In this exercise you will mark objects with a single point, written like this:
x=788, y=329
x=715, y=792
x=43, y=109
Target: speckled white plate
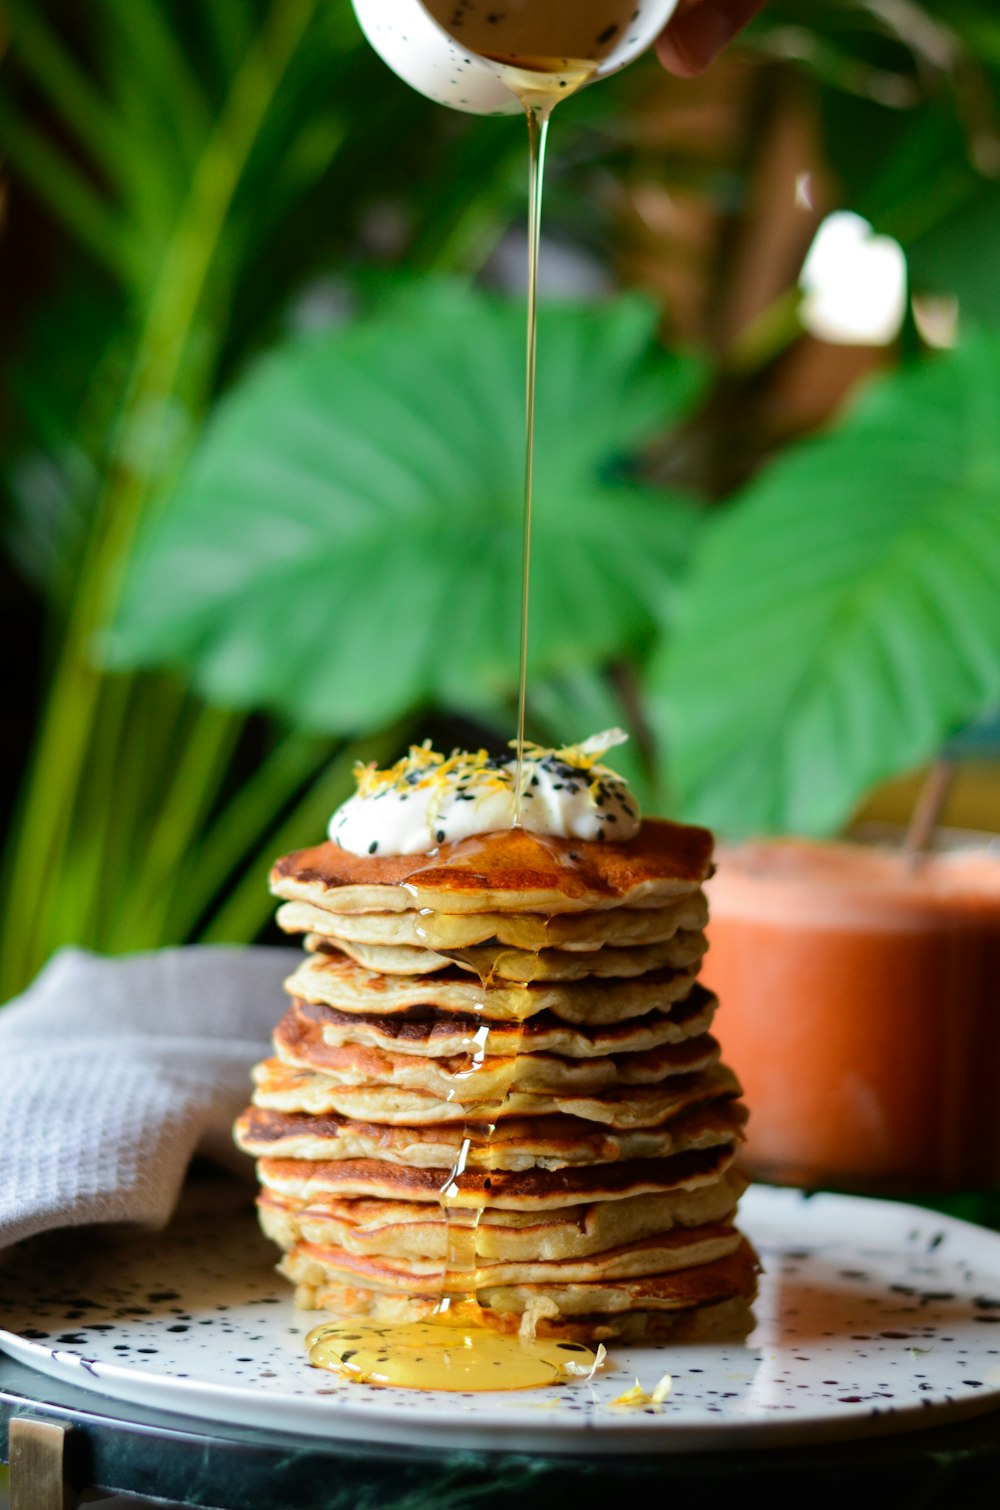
x=872, y=1317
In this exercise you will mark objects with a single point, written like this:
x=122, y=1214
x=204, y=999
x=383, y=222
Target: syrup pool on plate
x=447, y=1352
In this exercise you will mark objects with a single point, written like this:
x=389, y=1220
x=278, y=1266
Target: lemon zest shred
x=581, y=1371
x=424, y=768
x=636, y=1398
x=582, y=757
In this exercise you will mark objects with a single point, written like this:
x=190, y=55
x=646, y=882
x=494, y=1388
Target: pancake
x=478, y=1069
x=399, y=1228
x=503, y=1190
x=621, y=926
x=515, y=1143
x=496, y=962
x=427, y=1032
x=663, y=1253
x=727, y=1319
x=509, y=871
x=342, y=983
x=286, y=1088
x=595, y=1307
x=481, y=1076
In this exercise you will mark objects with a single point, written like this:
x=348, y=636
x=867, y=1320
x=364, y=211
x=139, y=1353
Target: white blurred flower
x=853, y=283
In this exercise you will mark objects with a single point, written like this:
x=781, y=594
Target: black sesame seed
x=373, y=846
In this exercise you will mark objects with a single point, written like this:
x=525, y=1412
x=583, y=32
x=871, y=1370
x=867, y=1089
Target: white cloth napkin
x=113, y=1072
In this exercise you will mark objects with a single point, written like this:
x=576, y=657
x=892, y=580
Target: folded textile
x=114, y=1072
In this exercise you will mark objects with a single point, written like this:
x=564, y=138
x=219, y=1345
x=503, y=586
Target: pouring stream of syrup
x=451, y=1349
x=538, y=130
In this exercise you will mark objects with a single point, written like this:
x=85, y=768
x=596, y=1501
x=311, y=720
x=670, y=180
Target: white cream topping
x=427, y=799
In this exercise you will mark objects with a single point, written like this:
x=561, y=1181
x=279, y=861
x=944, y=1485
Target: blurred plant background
x=261, y=440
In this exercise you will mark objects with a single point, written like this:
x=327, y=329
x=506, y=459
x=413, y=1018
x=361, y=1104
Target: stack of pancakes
x=496, y=1080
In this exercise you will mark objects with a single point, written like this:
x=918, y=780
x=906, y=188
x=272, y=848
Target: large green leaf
x=347, y=542
x=843, y=617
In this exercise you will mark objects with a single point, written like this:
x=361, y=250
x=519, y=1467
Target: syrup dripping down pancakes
x=496, y=1081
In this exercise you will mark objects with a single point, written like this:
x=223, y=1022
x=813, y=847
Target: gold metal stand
x=37, y=1466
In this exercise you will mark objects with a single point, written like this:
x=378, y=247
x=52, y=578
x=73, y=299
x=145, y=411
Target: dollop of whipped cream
x=427, y=799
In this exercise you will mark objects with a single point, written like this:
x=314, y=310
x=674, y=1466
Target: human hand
x=699, y=30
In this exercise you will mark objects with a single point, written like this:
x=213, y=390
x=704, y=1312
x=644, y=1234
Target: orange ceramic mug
x=860, y=1006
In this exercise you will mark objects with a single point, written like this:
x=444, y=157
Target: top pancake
x=508, y=871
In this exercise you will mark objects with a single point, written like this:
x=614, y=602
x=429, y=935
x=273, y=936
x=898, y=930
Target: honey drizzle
x=538, y=92
x=453, y=1350
x=543, y=54
x=538, y=115
x=476, y=1152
